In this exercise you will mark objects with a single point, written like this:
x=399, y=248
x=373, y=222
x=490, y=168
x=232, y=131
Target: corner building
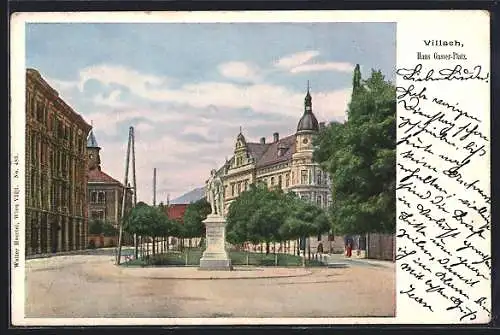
x=285, y=163
x=56, y=179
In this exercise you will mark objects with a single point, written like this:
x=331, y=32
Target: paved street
x=90, y=285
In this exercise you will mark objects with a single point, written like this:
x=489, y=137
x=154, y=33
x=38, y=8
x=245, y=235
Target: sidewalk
x=341, y=258
x=97, y=251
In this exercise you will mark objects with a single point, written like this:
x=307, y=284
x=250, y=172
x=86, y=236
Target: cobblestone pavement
x=90, y=285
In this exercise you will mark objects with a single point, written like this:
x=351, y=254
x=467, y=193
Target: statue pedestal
x=215, y=256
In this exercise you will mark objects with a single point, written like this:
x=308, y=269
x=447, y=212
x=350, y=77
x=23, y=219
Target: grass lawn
x=191, y=257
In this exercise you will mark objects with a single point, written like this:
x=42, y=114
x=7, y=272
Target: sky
x=188, y=88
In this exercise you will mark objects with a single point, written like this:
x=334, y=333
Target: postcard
x=291, y=167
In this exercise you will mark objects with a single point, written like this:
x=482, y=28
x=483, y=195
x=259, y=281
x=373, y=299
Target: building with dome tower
x=105, y=193
x=285, y=163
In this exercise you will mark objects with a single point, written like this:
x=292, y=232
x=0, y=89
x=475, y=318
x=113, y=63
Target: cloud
x=144, y=127
x=261, y=97
x=300, y=62
x=239, y=70
x=112, y=100
x=332, y=66
x=185, y=131
x=296, y=59
x=120, y=75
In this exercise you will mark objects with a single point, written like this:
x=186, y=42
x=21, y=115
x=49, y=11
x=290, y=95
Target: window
x=97, y=215
x=319, y=237
x=93, y=197
x=246, y=185
x=287, y=180
x=232, y=189
x=303, y=177
x=239, y=187
x=101, y=197
x=319, y=178
x=272, y=181
x=319, y=200
x=280, y=181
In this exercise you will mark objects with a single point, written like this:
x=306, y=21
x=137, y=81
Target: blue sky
x=187, y=88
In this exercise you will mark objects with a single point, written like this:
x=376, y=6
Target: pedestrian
x=349, y=249
x=319, y=249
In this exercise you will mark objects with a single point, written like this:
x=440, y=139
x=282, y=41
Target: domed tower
x=303, y=169
x=93, y=149
x=307, y=127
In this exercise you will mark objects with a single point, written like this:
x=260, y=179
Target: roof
x=176, y=211
x=91, y=141
x=271, y=155
x=97, y=176
x=257, y=150
x=308, y=122
x=59, y=103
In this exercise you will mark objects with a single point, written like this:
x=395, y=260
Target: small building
x=176, y=212
x=105, y=194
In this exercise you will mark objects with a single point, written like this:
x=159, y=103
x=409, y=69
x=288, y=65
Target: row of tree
x=152, y=224
x=258, y=215
x=263, y=215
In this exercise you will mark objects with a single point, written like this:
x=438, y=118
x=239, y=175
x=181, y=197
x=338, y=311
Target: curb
x=226, y=278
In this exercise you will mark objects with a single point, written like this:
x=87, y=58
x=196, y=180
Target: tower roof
x=91, y=141
x=308, y=121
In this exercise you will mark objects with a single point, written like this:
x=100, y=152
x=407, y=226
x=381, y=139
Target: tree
x=256, y=216
x=146, y=220
x=360, y=156
x=303, y=220
x=193, y=219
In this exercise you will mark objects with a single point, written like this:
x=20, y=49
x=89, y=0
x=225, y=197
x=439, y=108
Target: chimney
x=276, y=137
x=321, y=125
x=262, y=140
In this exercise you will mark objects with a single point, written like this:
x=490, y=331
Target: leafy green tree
x=304, y=219
x=360, y=156
x=193, y=219
x=148, y=221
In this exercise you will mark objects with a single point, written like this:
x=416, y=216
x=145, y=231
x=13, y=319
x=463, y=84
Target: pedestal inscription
x=215, y=256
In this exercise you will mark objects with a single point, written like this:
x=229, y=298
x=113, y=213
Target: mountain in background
x=189, y=197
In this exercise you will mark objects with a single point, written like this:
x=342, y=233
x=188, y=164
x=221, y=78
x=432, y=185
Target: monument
x=215, y=256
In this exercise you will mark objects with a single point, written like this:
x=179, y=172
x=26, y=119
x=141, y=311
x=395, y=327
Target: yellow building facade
x=285, y=163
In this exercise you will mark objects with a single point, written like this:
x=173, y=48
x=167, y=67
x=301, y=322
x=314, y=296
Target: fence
x=381, y=246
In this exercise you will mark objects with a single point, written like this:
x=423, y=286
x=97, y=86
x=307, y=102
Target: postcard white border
x=407, y=21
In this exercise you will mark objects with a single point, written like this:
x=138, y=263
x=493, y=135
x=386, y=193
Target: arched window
x=93, y=197
x=272, y=181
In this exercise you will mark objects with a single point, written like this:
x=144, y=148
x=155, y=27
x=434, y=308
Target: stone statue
x=215, y=195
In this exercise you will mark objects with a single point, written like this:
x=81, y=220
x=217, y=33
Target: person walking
x=349, y=249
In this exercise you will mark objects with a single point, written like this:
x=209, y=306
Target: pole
x=125, y=189
x=154, y=187
x=134, y=185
